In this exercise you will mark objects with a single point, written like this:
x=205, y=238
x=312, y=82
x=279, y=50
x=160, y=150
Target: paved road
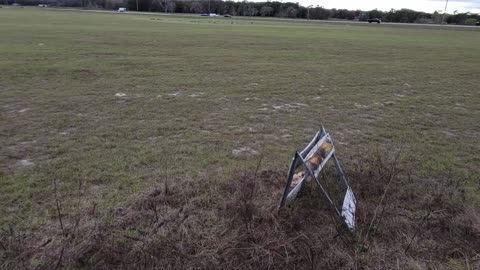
x=446, y=26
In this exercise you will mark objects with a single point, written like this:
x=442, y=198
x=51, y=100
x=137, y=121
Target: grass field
x=204, y=97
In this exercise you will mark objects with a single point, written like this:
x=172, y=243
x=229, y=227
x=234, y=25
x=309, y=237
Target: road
x=445, y=26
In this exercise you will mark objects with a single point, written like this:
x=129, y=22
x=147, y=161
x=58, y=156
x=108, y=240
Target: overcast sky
x=420, y=5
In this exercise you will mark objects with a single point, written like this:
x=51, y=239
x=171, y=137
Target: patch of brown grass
x=404, y=223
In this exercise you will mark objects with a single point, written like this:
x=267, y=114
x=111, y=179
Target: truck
x=372, y=20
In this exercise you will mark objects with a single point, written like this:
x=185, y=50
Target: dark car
x=227, y=16
x=377, y=20
x=477, y=23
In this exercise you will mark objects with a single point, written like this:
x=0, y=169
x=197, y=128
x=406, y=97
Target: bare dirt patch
x=245, y=151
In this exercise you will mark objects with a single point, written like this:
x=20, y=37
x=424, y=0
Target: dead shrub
x=405, y=222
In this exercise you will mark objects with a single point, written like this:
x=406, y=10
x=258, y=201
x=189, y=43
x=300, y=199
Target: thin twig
x=257, y=169
x=59, y=259
x=424, y=219
x=166, y=178
x=392, y=176
x=58, y=204
x=80, y=196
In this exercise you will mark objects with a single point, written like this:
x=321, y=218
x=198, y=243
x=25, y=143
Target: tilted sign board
x=308, y=164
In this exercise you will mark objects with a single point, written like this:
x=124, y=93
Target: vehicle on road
x=377, y=20
x=477, y=23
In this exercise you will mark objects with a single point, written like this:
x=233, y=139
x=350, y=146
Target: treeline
x=265, y=9
x=412, y=16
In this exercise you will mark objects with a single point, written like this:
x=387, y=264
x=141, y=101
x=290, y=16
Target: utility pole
x=308, y=12
x=137, y=5
x=444, y=11
x=209, y=7
x=166, y=6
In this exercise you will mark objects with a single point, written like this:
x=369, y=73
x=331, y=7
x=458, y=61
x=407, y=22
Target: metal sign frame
x=314, y=158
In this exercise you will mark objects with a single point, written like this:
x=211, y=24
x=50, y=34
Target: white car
x=122, y=9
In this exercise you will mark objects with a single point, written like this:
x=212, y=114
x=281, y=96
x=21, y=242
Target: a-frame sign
x=313, y=158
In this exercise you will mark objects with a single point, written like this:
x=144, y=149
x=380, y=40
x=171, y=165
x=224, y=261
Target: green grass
x=369, y=85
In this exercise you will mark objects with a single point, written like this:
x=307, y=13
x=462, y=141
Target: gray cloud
x=385, y=5
x=466, y=4
x=460, y=1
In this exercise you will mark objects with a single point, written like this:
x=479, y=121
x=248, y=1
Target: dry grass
x=93, y=104
x=214, y=225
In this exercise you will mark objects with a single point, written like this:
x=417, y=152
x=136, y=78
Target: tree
x=471, y=21
x=274, y=8
x=266, y=11
x=375, y=14
x=350, y=15
x=196, y=7
x=319, y=13
x=459, y=18
x=291, y=12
